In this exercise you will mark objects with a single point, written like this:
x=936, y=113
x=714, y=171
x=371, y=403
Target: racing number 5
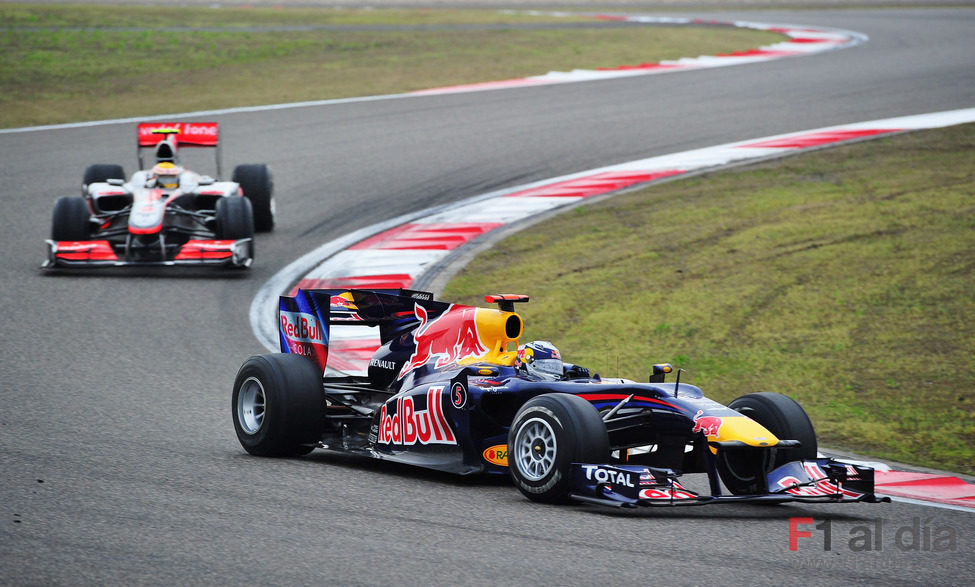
x=458, y=395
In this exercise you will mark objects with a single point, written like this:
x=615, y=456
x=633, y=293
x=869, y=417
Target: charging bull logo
x=709, y=425
x=400, y=422
x=343, y=309
x=445, y=339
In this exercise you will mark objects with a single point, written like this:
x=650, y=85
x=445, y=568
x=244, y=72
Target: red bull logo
x=343, y=301
x=303, y=335
x=709, y=425
x=301, y=327
x=444, y=340
x=407, y=425
x=343, y=308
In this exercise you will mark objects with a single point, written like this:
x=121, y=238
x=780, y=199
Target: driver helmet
x=166, y=175
x=540, y=359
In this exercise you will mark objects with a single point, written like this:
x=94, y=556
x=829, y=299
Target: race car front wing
x=812, y=481
x=100, y=253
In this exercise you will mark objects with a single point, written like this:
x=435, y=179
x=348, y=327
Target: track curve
x=119, y=463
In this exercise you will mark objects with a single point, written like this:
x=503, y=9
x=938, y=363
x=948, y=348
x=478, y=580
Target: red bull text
x=304, y=335
x=408, y=426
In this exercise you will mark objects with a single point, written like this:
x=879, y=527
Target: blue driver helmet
x=541, y=360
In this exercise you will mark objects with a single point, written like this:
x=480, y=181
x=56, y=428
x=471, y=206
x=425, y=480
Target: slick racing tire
x=258, y=187
x=235, y=218
x=71, y=221
x=549, y=433
x=101, y=172
x=744, y=471
x=278, y=405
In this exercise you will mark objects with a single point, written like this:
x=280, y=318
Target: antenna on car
x=677, y=383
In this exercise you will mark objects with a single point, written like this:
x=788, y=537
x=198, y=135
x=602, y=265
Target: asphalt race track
x=118, y=460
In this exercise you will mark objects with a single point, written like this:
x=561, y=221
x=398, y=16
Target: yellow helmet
x=166, y=175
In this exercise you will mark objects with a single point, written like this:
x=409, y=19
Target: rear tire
x=71, y=219
x=101, y=172
x=548, y=434
x=278, y=405
x=258, y=187
x=744, y=471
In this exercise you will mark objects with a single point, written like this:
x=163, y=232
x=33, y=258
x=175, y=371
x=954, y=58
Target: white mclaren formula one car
x=166, y=214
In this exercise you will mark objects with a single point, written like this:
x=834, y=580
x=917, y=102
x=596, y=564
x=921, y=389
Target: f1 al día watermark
x=876, y=535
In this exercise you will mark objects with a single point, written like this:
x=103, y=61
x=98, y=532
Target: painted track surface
x=118, y=462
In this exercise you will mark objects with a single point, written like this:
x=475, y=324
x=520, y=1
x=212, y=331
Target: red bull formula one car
x=166, y=215
x=451, y=389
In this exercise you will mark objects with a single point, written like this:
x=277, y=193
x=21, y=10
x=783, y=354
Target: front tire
x=744, y=471
x=278, y=405
x=235, y=218
x=258, y=187
x=548, y=434
x=101, y=172
x=71, y=219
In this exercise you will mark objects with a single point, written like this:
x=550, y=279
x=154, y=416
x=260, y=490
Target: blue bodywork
x=429, y=399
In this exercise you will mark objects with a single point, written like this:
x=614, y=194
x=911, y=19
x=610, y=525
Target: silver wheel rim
x=535, y=449
x=251, y=405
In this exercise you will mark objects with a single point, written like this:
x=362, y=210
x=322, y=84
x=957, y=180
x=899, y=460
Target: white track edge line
x=263, y=312
x=853, y=39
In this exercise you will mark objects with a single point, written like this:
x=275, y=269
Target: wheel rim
x=251, y=405
x=535, y=449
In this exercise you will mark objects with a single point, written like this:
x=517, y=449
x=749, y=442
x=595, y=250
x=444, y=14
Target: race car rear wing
x=442, y=333
x=175, y=135
x=305, y=319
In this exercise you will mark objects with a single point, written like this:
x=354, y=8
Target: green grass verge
x=843, y=278
x=68, y=63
